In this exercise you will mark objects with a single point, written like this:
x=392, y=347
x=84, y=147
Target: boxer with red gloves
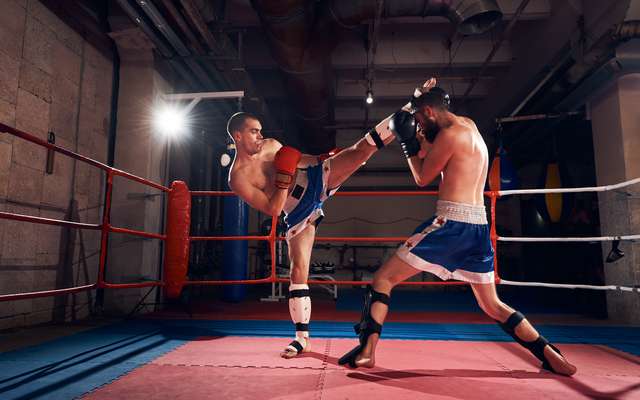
x=286, y=162
x=273, y=179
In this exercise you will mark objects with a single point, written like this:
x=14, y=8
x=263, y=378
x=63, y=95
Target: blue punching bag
x=235, y=252
x=508, y=175
x=503, y=175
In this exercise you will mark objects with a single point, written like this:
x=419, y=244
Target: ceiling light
x=369, y=97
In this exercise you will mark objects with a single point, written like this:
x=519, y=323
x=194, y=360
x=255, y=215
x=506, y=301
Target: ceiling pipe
x=176, y=43
x=221, y=49
x=169, y=45
x=469, y=17
x=302, y=36
x=505, y=35
x=162, y=47
x=607, y=59
x=613, y=54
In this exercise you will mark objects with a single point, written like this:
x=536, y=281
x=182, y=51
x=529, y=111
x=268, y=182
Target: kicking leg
x=374, y=312
x=348, y=160
x=300, y=247
x=517, y=326
x=345, y=163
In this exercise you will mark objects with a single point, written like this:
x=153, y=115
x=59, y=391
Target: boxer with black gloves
x=455, y=243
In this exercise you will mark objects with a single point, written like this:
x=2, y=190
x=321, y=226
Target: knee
x=383, y=284
x=496, y=310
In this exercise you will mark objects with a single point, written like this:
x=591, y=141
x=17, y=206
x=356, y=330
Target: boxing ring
x=233, y=352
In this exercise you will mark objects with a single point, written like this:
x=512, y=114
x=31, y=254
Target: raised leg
x=347, y=161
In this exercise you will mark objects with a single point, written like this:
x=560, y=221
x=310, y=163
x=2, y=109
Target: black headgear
x=437, y=96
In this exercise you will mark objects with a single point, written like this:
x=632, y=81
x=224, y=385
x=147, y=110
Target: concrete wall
x=617, y=147
x=50, y=80
x=141, y=151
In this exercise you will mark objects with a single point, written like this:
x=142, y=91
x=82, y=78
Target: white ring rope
x=570, y=190
x=568, y=286
x=568, y=239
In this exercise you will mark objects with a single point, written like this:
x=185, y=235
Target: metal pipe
x=108, y=285
x=113, y=126
x=48, y=221
x=106, y=217
x=34, y=139
x=46, y=293
x=160, y=43
x=176, y=43
x=134, y=232
x=297, y=34
x=505, y=34
x=205, y=95
x=226, y=238
x=534, y=117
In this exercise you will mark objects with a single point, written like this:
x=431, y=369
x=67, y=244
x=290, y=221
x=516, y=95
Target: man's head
x=246, y=131
x=429, y=107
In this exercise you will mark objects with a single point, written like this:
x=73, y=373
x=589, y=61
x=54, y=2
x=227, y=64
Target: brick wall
x=50, y=80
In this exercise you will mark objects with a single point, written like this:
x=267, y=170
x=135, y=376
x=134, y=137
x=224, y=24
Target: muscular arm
x=425, y=170
x=258, y=199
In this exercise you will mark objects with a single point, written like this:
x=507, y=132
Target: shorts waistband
x=462, y=212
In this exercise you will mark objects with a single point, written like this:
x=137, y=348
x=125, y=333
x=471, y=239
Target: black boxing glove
x=403, y=126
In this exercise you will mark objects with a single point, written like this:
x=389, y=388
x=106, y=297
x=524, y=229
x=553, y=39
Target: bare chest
x=260, y=174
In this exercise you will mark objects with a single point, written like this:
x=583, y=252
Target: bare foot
x=558, y=363
x=291, y=352
x=367, y=359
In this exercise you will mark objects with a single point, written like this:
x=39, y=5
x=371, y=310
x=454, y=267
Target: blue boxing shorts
x=454, y=244
x=304, y=203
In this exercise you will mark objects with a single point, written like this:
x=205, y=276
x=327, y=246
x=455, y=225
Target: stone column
x=140, y=151
x=616, y=140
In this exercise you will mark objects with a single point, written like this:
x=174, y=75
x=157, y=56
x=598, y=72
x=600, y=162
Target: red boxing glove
x=286, y=161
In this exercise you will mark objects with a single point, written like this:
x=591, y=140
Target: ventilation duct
x=302, y=35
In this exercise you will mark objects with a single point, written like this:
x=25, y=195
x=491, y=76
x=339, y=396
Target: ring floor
x=230, y=351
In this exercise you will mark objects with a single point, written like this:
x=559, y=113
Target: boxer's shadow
x=412, y=377
x=468, y=378
x=319, y=357
x=379, y=374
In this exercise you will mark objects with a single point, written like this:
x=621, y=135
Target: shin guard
x=536, y=347
x=300, y=309
x=367, y=325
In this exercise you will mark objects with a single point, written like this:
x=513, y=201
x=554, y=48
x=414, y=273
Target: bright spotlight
x=170, y=120
x=369, y=97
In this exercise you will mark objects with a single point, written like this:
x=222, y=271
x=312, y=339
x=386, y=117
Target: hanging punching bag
x=553, y=207
x=553, y=201
x=494, y=173
x=503, y=175
x=235, y=252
